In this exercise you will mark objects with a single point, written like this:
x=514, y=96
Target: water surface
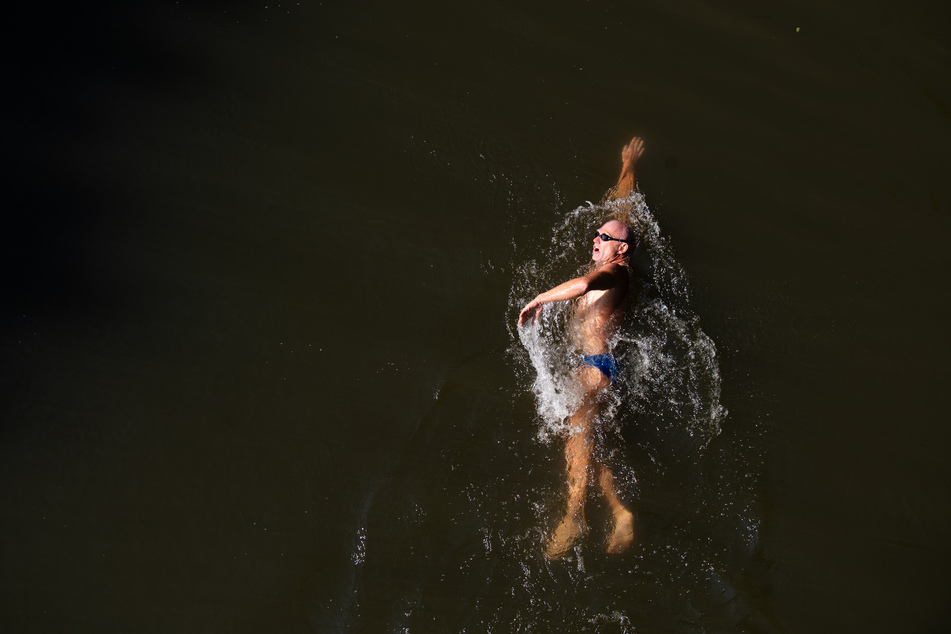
x=259, y=371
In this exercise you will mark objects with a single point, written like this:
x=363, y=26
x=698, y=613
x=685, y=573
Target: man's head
x=617, y=241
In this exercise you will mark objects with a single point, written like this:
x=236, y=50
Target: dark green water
x=257, y=357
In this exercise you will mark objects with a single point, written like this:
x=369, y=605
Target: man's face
x=604, y=250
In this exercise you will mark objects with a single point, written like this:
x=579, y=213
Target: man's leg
x=578, y=451
x=623, y=533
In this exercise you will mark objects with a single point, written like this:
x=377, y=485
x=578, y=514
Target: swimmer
x=598, y=312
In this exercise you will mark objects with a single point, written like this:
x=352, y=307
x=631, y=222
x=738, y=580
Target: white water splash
x=669, y=372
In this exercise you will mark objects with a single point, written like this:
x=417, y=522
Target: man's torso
x=597, y=315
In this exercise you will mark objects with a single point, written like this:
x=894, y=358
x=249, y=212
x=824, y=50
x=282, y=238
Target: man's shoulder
x=614, y=275
x=618, y=269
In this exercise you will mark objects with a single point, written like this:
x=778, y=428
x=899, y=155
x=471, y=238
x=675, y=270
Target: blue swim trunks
x=604, y=362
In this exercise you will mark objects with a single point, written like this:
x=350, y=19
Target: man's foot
x=564, y=537
x=623, y=534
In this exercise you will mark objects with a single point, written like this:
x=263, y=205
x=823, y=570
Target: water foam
x=669, y=374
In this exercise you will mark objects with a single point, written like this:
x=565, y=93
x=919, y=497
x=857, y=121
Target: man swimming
x=598, y=312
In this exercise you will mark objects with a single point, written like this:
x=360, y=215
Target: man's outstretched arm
x=600, y=280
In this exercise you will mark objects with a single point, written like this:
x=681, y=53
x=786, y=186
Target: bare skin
x=626, y=182
x=598, y=311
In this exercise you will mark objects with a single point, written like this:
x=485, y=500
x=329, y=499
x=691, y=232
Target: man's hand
x=531, y=312
x=630, y=153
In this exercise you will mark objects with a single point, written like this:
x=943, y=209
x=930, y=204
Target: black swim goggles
x=606, y=238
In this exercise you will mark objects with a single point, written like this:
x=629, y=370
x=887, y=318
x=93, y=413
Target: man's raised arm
x=626, y=182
